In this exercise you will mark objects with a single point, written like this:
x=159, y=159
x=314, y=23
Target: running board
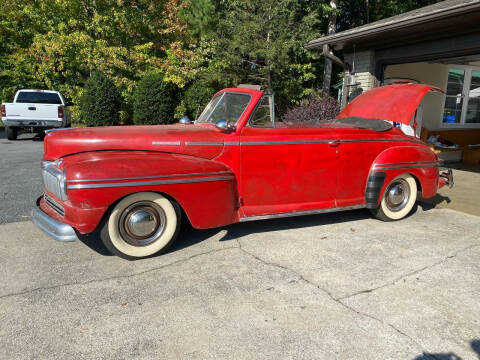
x=301, y=213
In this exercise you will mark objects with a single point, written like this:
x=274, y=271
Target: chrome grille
x=53, y=180
x=55, y=206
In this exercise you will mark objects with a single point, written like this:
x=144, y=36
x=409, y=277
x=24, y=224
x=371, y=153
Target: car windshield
x=225, y=106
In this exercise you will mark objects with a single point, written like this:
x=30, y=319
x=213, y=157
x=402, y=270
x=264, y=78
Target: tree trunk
x=327, y=70
x=368, y=11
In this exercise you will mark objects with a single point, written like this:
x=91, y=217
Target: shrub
x=101, y=102
x=154, y=101
x=318, y=108
x=197, y=96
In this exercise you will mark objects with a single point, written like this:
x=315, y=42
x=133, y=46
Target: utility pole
x=327, y=70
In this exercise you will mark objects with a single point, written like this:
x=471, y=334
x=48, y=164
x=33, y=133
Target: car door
x=285, y=169
x=357, y=152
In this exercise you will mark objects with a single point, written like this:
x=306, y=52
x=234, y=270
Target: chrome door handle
x=334, y=143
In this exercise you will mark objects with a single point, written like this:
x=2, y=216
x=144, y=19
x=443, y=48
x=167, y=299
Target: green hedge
x=197, y=96
x=101, y=102
x=154, y=101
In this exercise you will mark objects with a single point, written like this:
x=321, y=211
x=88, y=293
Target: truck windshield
x=37, y=97
x=225, y=106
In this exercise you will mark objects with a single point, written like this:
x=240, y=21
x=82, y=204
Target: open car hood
x=396, y=102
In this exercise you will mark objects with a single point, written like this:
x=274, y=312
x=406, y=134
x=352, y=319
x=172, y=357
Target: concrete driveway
x=335, y=286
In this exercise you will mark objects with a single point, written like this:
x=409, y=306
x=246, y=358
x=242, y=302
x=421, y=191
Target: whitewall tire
x=140, y=225
x=398, y=198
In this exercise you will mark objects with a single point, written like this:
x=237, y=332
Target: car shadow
x=31, y=137
x=431, y=203
x=93, y=241
x=189, y=236
x=474, y=344
x=23, y=136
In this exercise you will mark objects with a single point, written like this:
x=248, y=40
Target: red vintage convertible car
x=235, y=163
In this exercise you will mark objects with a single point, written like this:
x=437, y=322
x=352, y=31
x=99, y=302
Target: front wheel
x=398, y=198
x=140, y=225
x=11, y=132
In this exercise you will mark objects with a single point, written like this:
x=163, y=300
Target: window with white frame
x=462, y=100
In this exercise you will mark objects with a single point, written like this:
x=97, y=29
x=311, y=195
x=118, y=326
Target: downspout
x=327, y=52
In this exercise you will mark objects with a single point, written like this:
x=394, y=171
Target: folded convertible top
x=364, y=123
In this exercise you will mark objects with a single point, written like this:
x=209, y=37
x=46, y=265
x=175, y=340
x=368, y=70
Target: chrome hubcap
x=142, y=223
x=397, y=195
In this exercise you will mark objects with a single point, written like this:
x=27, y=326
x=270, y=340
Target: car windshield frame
x=206, y=115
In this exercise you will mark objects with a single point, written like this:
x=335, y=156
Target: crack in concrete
x=401, y=277
x=117, y=276
x=339, y=300
x=299, y=275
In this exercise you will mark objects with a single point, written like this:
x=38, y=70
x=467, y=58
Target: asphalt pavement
x=20, y=177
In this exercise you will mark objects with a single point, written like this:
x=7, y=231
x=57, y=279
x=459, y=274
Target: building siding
x=362, y=64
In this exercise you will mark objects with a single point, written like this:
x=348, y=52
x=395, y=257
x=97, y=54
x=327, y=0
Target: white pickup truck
x=35, y=111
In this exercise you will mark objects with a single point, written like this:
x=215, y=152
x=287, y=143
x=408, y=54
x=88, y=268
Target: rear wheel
x=398, y=198
x=11, y=132
x=141, y=225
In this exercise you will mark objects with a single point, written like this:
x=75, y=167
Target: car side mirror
x=223, y=125
x=185, y=120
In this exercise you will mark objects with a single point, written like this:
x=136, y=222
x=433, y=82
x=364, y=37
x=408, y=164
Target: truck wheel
x=11, y=132
x=398, y=199
x=140, y=225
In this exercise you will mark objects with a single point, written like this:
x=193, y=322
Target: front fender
x=419, y=161
x=205, y=189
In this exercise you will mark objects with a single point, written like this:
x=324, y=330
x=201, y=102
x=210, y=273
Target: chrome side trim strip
x=203, y=143
x=431, y=162
x=145, y=183
x=150, y=177
x=300, y=213
x=381, y=140
x=285, y=142
x=403, y=167
x=279, y=142
x=59, y=231
x=325, y=141
x=172, y=143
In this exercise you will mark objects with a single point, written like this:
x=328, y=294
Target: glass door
x=462, y=98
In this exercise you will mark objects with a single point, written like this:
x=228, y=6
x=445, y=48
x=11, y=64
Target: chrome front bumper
x=56, y=229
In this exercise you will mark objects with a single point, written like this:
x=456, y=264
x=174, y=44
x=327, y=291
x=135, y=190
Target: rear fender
x=418, y=161
x=205, y=189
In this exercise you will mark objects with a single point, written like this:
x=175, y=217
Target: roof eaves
x=370, y=29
